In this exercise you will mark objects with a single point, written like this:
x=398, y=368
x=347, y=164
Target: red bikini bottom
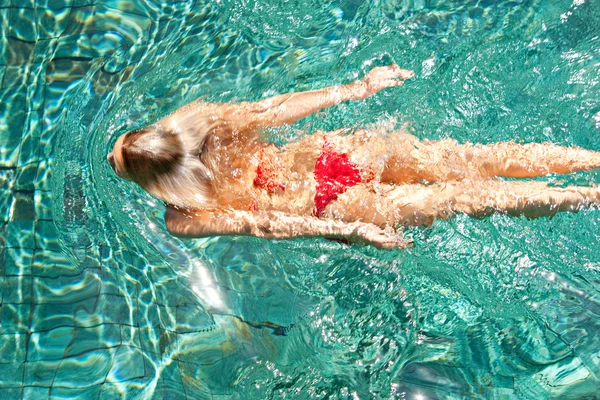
x=334, y=174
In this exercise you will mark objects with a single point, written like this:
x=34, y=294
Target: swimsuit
x=334, y=174
x=265, y=178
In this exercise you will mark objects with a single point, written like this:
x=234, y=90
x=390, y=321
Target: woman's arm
x=247, y=118
x=288, y=108
x=274, y=225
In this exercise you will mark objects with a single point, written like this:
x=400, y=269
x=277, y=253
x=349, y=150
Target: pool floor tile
x=66, y=393
x=36, y=392
x=43, y=204
x=53, y=315
x=18, y=261
x=50, y=345
x=118, y=309
x=17, y=289
x=128, y=365
x=23, y=208
x=52, y=264
x=12, y=348
x=92, y=369
x=40, y=373
x=10, y=393
x=26, y=176
x=138, y=390
x=46, y=236
x=15, y=318
x=66, y=289
x=7, y=179
x=101, y=337
x=53, y=22
x=20, y=234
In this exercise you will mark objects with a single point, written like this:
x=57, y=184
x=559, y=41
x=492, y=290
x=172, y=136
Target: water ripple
x=98, y=298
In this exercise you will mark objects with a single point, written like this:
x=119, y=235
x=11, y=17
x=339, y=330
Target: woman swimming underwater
x=207, y=162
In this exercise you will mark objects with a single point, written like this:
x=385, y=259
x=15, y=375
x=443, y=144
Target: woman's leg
x=447, y=160
x=532, y=199
x=417, y=204
x=529, y=160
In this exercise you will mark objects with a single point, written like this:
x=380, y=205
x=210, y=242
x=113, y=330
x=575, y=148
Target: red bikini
x=334, y=174
x=264, y=179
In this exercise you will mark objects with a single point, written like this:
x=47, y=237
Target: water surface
x=98, y=301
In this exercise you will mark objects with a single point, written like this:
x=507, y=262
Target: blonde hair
x=158, y=159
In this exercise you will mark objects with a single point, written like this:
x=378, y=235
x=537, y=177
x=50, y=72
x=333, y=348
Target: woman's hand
x=371, y=234
x=380, y=78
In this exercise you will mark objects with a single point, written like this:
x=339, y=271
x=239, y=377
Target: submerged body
x=209, y=164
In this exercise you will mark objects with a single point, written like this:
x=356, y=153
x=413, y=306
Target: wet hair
x=151, y=153
x=174, y=166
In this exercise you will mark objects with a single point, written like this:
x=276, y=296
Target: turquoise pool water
x=98, y=301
